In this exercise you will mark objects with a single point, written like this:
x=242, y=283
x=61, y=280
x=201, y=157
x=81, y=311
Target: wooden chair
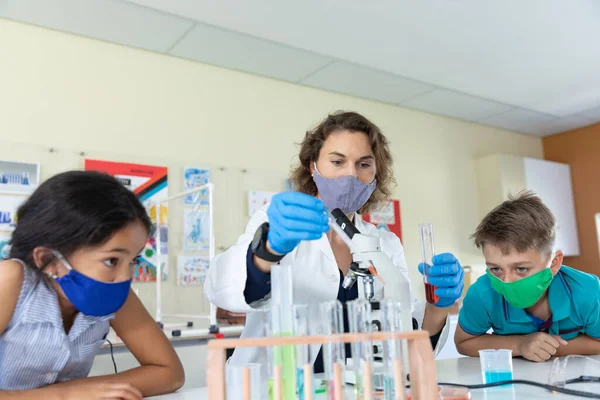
x=423, y=376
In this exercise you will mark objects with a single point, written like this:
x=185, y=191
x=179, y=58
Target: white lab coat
x=316, y=279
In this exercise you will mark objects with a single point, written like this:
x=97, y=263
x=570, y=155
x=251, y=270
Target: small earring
x=51, y=275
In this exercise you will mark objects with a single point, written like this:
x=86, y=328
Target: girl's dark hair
x=72, y=210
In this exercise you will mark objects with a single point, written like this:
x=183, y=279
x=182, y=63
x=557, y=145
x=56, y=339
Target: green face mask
x=525, y=292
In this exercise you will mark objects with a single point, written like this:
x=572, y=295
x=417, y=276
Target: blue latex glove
x=294, y=217
x=449, y=277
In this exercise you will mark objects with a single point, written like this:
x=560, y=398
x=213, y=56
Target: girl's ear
x=44, y=260
x=311, y=167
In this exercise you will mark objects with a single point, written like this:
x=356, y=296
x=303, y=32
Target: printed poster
x=17, y=181
x=257, y=199
x=19, y=177
x=193, y=178
x=9, y=204
x=387, y=218
x=150, y=184
x=192, y=270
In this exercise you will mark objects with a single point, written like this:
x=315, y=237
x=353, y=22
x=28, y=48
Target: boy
x=536, y=307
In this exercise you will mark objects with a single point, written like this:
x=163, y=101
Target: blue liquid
x=388, y=388
x=497, y=376
x=300, y=383
x=300, y=390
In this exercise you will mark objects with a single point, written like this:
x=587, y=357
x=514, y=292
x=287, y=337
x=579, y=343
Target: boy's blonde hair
x=522, y=223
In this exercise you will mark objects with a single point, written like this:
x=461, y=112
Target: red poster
x=150, y=185
x=387, y=218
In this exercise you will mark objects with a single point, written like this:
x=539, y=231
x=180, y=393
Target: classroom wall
x=82, y=95
x=581, y=149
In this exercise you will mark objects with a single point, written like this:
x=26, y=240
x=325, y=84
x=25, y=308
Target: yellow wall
x=75, y=93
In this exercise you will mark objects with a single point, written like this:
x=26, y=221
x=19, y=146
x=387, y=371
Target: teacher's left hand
x=447, y=274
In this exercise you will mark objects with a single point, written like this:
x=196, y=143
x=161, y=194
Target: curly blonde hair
x=353, y=122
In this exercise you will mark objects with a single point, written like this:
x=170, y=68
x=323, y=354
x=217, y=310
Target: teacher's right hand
x=294, y=217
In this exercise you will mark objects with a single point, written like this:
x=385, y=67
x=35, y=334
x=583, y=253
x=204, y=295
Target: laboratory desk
x=467, y=371
x=190, y=347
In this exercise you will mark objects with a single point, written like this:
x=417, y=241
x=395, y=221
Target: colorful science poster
x=194, y=178
x=387, y=217
x=150, y=185
x=192, y=270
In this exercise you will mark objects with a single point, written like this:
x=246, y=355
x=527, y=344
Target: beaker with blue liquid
x=496, y=365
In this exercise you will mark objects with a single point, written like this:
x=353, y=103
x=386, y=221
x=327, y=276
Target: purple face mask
x=346, y=192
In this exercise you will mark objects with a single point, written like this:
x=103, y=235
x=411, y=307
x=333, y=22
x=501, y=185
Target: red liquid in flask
x=430, y=293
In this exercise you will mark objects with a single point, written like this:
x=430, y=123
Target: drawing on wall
x=290, y=186
x=150, y=185
x=196, y=226
x=387, y=218
x=384, y=215
x=193, y=178
x=4, y=244
x=192, y=270
x=257, y=199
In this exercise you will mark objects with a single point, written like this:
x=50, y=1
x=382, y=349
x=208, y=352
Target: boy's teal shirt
x=574, y=298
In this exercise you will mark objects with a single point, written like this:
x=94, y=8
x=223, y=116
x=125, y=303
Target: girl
x=67, y=281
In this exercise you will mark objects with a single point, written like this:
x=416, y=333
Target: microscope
x=368, y=259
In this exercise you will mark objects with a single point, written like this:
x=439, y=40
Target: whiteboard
x=551, y=181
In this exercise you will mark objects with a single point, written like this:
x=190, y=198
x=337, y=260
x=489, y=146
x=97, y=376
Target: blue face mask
x=89, y=296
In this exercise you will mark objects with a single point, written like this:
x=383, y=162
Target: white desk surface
x=229, y=331
x=467, y=371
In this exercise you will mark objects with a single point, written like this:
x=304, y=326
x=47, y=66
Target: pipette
x=337, y=229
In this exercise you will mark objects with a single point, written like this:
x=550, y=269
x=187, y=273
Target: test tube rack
x=421, y=364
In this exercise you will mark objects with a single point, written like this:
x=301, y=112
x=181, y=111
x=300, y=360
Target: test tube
x=304, y=376
x=393, y=369
x=427, y=253
x=340, y=232
x=243, y=382
x=267, y=371
x=360, y=321
x=334, y=354
x=496, y=365
x=282, y=324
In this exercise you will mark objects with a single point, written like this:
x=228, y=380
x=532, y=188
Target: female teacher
x=345, y=163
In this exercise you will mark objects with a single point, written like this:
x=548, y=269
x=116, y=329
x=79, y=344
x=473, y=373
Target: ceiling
x=529, y=66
